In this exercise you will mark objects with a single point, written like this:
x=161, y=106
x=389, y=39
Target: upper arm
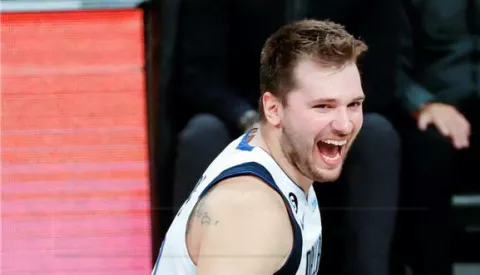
x=252, y=235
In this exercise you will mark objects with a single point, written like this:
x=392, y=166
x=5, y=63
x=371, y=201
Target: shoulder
x=243, y=194
x=247, y=201
x=250, y=219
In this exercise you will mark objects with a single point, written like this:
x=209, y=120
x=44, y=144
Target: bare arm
x=252, y=232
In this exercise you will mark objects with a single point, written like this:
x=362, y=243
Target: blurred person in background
x=438, y=89
x=218, y=50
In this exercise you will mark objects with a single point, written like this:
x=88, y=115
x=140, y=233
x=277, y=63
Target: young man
x=254, y=211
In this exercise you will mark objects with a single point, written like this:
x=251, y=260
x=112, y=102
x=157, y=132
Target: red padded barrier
x=74, y=157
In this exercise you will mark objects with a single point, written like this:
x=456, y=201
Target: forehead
x=315, y=81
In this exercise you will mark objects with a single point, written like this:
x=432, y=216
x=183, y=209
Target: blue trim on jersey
x=158, y=257
x=243, y=145
x=255, y=169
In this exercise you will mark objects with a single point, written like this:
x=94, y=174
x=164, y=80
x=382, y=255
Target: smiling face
x=311, y=97
x=320, y=119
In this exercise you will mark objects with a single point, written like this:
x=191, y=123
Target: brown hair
x=323, y=41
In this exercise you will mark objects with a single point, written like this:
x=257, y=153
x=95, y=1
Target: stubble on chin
x=305, y=165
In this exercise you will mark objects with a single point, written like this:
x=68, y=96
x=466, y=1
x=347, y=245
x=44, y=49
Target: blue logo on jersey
x=313, y=258
x=314, y=204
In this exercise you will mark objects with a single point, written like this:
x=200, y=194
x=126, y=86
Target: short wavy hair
x=321, y=41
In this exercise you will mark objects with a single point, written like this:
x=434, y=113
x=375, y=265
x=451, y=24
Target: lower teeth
x=330, y=158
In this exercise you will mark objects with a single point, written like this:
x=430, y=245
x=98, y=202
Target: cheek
x=357, y=121
x=311, y=126
x=320, y=122
x=298, y=119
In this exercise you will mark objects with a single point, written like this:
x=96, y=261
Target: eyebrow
x=333, y=100
x=359, y=98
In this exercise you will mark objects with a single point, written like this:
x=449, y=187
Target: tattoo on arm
x=200, y=212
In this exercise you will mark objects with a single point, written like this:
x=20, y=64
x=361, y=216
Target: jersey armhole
x=255, y=169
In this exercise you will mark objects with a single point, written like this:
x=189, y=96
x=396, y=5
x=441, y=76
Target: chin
x=327, y=175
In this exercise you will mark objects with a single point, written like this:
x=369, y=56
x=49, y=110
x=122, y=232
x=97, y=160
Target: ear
x=272, y=108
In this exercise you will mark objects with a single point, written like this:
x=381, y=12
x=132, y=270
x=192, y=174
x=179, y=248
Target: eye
x=322, y=106
x=355, y=104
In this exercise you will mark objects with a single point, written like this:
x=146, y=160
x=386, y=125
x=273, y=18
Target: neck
x=268, y=139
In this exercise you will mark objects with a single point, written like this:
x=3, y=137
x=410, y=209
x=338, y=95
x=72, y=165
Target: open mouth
x=331, y=151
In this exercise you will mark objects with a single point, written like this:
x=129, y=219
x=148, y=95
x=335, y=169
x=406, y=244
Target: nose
x=342, y=123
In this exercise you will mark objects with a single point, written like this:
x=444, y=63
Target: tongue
x=328, y=150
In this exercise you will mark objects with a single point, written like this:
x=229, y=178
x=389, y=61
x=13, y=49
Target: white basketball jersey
x=239, y=158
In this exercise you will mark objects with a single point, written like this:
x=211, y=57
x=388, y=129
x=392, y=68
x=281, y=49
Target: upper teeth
x=335, y=142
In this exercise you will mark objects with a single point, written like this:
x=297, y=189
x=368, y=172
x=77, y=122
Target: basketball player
x=254, y=210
